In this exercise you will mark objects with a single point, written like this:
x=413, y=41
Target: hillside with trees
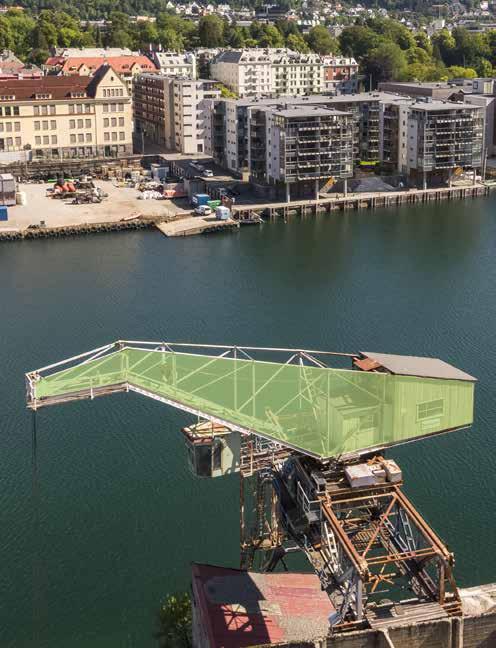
x=385, y=48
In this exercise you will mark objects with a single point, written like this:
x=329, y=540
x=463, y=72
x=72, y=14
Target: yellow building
x=59, y=117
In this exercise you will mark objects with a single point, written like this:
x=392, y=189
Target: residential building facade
x=340, y=75
x=266, y=72
x=173, y=111
x=299, y=148
x=66, y=117
x=175, y=63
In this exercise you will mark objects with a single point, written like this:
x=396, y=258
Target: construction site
x=308, y=434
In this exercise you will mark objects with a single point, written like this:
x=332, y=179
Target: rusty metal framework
x=363, y=543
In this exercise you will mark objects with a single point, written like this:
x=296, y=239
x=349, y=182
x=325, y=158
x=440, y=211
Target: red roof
x=59, y=87
x=240, y=609
x=121, y=64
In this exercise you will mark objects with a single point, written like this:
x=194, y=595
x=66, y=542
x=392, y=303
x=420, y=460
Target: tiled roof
x=59, y=87
x=121, y=64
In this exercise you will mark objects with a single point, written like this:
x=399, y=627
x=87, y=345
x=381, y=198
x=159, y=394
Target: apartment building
x=340, y=74
x=230, y=117
x=443, y=137
x=59, y=117
x=270, y=71
x=174, y=111
x=299, y=148
x=175, y=63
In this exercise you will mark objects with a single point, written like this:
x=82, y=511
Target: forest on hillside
x=384, y=48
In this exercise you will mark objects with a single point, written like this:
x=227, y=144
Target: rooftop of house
x=121, y=64
x=56, y=87
x=241, y=609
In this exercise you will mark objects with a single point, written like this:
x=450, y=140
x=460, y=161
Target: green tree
x=320, y=40
x=175, y=622
x=357, y=41
x=271, y=37
x=445, y=44
x=297, y=43
x=484, y=67
x=423, y=41
x=460, y=72
x=211, y=31
x=386, y=62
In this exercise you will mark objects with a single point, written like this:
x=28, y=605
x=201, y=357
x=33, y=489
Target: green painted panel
x=325, y=412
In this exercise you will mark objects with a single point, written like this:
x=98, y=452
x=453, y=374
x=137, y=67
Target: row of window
x=46, y=139
x=113, y=92
x=107, y=137
x=9, y=141
x=44, y=125
x=80, y=123
x=81, y=137
x=9, y=126
x=113, y=107
x=8, y=111
x=112, y=122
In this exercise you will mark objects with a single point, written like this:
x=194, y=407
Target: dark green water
x=119, y=516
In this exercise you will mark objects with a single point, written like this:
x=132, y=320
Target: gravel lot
x=121, y=203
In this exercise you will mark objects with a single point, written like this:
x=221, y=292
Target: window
x=53, y=124
x=73, y=139
x=17, y=126
x=106, y=137
x=36, y=110
x=88, y=137
x=37, y=125
x=113, y=121
x=87, y=108
x=37, y=139
x=16, y=110
x=430, y=409
x=88, y=123
x=80, y=123
x=105, y=108
x=113, y=107
x=17, y=141
x=114, y=136
x=46, y=139
x=121, y=121
x=8, y=111
x=44, y=110
x=71, y=109
x=122, y=135
x=106, y=122
x=54, y=139
x=79, y=108
x=80, y=137
x=52, y=110
x=8, y=127
x=10, y=141
x=45, y=125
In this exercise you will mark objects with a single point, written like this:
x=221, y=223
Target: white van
x=203, y=210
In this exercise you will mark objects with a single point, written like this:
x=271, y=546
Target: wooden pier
x=304, y=208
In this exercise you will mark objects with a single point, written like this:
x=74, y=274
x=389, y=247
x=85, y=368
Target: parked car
x=208, y=173
x=203, y=210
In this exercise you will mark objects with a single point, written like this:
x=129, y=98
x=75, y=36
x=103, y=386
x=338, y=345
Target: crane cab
x=213, y=449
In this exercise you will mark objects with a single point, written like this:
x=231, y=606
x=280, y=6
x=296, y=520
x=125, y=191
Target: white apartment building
x=59, y=117
x=175, y=64
x=174, y=111
x=270, y=71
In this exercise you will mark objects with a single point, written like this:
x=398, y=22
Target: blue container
x=4, y=214
x=200, y=199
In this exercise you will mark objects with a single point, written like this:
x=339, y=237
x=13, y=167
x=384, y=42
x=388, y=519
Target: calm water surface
x=119, y=518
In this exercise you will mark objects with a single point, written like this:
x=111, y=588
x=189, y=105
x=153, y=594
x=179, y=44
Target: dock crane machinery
x=307, y=433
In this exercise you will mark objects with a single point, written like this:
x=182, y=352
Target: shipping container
x=200, y=199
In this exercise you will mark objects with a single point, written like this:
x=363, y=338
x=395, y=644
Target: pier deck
x=195, y=225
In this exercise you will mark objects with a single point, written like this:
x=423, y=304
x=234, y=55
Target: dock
x=195, y=225
x=302, y=208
